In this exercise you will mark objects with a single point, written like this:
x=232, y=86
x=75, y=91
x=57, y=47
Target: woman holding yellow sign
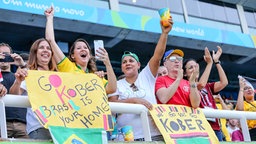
x=40, y=58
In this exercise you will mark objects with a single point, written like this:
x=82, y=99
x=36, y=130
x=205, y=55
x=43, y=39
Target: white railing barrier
x=11, y=101
x=134, y=109
x=3, y=120
x=22, y=101
x=241, y=115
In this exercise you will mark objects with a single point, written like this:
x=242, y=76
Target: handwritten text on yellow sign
x=68, y=99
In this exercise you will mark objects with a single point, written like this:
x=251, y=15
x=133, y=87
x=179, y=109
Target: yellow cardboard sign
x=69, y=99
x=183, y=125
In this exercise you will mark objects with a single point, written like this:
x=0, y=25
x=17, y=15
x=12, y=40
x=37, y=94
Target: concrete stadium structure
x=134, y=26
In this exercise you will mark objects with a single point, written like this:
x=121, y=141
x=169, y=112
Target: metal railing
x=23, y=102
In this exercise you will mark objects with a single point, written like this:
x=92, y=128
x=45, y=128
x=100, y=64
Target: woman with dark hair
x=190, y=64
x=40, y=58
x=80, y=58
x=208, y=89
x=91, y=66
x=138, y=86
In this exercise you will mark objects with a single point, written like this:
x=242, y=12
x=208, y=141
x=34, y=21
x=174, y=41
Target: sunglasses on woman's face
x=174, y=58
x=247, y=88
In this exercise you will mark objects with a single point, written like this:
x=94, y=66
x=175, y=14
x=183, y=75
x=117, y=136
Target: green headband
x=127, y=53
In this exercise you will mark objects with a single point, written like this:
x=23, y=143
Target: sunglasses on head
x=174, y=58
x=247, y=88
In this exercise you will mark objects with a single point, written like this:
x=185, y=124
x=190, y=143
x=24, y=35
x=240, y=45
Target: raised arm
x=155, y=60
x=240, y=98
x=18, y=61
x=219, y=85
x=205, y=76
x=222, y=103
x=112, y=84
x=49, y=35
x=194, y=95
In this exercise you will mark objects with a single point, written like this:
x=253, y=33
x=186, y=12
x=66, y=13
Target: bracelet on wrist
x=23, y=66
x=218, y=62
x=193, y=85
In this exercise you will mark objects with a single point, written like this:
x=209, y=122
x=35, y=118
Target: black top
x=12, y=113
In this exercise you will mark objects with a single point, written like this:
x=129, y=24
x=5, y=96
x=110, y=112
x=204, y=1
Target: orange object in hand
x=165, y=15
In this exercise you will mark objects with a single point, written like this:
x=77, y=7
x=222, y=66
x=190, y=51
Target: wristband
x=218, y=62
x=193, y=85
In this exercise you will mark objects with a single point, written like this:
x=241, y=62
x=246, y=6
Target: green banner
x=64, y=135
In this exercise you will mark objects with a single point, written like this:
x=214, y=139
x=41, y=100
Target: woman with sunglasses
x=138, y=87
x=80, y=58
x=246, y=102
x=208, y=89
x=172, y=88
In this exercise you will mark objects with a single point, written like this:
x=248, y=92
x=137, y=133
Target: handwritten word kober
x=179, y=124
x=69, y=99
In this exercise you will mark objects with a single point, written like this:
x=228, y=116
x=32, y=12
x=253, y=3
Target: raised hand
x=195, y=74
x=217, y=97
x=216, y=56
x=49, y=12
x=167, y=29
x=18, y=61
x=242, y=83
x=207, y=56
x=102, y=55
x=180, y=73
